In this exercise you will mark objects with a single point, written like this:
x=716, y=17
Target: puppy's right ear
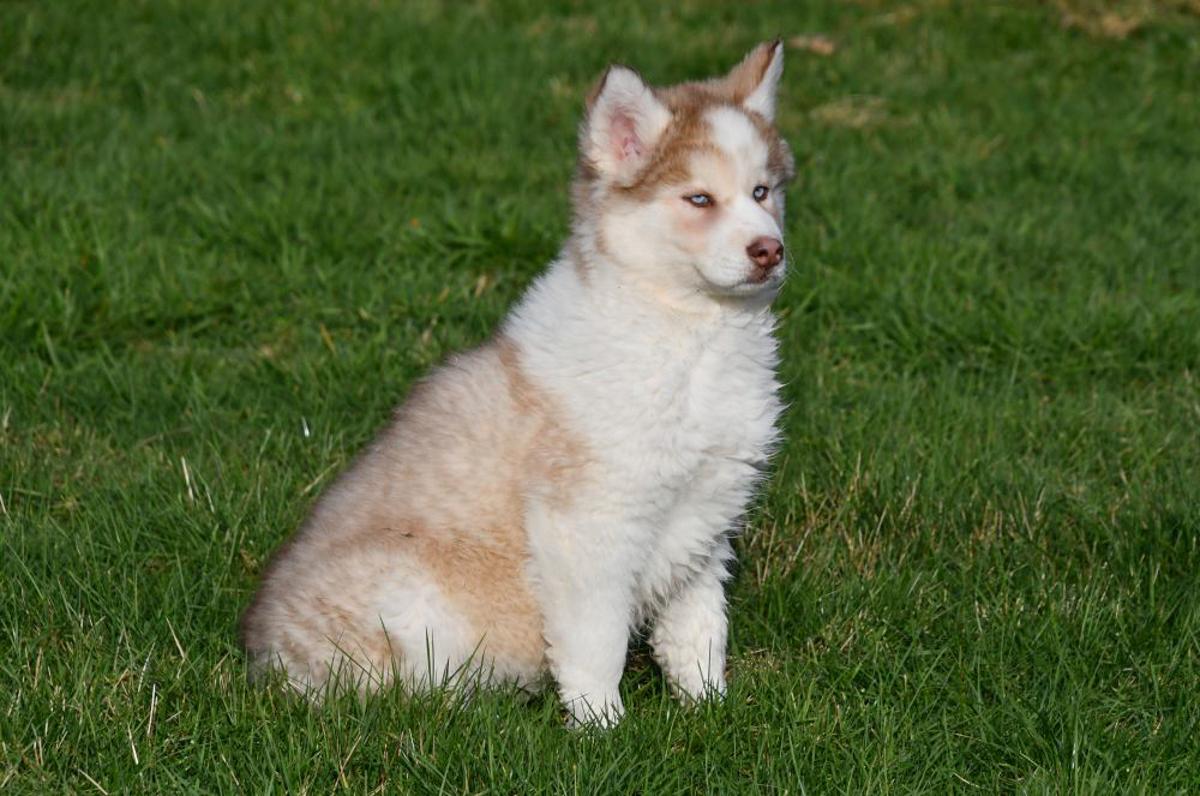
x=623, y=125
x=756, y=79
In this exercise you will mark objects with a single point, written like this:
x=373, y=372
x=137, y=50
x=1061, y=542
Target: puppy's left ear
x=755, y=80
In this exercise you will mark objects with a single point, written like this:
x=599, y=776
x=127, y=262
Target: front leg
x=583, y=576
x=587, y=632
x=690, y=635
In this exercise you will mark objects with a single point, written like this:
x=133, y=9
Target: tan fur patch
x=441, y=493
x=558, y=457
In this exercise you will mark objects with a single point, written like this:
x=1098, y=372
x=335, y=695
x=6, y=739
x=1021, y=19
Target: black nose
x=765, y=252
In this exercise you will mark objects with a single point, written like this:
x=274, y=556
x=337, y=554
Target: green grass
x=976, y=566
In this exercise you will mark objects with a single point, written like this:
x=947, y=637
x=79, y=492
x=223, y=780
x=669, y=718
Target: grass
x=233, y=234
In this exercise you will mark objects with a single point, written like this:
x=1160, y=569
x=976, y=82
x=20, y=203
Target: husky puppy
x=577, y=478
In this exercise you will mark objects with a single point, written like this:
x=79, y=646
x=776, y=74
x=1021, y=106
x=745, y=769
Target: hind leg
x=363, y=627
x=395, y=625
x=434, y=644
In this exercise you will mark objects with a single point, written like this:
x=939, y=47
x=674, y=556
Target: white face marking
x=741, y=219
x=735, y=135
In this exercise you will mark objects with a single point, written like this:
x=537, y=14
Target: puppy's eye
x=760, y=193
x=699, y=200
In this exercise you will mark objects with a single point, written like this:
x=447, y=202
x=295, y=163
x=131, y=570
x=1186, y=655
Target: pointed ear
x=754, y=81
x=624, y=122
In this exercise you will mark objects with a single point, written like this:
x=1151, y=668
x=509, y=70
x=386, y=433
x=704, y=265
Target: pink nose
x=765, y=252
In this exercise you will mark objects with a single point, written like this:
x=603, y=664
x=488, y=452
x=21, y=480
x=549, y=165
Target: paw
x=596, y=711
x=697, y=688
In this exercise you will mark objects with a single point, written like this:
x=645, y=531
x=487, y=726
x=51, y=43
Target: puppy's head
x=683, y=186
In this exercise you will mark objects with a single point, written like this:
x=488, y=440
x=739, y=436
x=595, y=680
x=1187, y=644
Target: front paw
x=594, y=710
x=697, y=688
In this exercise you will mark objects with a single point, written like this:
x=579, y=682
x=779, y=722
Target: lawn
x=233, y=234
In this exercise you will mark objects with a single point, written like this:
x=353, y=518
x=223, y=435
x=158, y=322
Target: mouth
x=750, y=283
x=760, y=278
x=754, y=284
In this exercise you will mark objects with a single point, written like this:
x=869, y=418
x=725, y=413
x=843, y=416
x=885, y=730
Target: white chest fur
x=678, y=414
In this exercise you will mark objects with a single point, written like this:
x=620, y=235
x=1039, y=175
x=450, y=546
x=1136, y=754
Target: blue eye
x=699, y=200
x=760, y=193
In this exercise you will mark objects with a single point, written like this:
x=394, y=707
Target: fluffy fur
x=537, y=500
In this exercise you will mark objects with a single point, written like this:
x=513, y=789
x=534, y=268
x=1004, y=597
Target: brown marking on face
x=780, y=163
x=689, y=133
